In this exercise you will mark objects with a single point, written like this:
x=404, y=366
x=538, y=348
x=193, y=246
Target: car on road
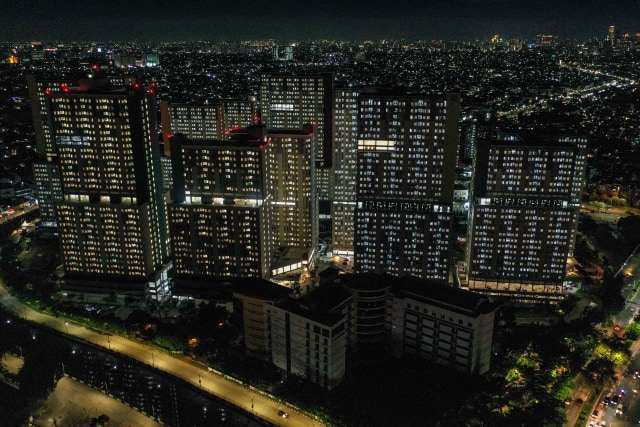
x=283, y=414
x=615, y=400
x=606, y=401
x=619, y=409
x=579, y=401
x=595, y=414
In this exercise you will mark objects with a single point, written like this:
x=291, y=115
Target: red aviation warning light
x=47, y=92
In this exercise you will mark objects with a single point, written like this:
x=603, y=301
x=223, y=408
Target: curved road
x=250, y=400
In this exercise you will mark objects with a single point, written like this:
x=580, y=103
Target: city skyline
x=284, y=19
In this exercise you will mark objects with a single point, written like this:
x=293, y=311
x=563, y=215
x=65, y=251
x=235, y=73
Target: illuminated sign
x=402, y=206
x=527, y=202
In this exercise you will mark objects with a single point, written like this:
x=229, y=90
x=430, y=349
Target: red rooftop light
x=136, y=85
x=47, y=92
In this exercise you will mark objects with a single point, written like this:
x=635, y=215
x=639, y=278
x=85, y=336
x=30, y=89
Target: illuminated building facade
x=236, y=201
x=294, y=203
x=239, y=113
x=46, y=176
x=405, y=175
x=290, y=101
x=344, y=167
x=205, y=121
x=46, y=173
x=111, y=219
x=219, y=219
x=525, y=204
x=194, y=121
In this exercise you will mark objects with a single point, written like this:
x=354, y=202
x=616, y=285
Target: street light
x=66, y=326
x=199, y=380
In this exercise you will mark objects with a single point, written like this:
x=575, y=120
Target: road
x=626, y=412
x=630, y=414
x=249, y=400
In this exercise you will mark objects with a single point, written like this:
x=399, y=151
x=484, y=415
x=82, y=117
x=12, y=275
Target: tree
x=629, y=227
x=611, y=293
x=632, y=331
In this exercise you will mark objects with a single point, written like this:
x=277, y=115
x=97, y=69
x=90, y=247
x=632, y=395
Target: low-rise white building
x=435, y=321
x=310, y=337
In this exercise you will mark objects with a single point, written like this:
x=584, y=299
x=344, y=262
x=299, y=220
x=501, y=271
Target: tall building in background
x=194, y=121
x=111, y=219
x=289, y=101
x=219, y=219
x=344, y=167
x=200, y=121
x=612, y=36
x=406, y=172
x=37, y=51
x=525, y=206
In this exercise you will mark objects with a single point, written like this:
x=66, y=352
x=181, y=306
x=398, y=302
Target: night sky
x=232, y=20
